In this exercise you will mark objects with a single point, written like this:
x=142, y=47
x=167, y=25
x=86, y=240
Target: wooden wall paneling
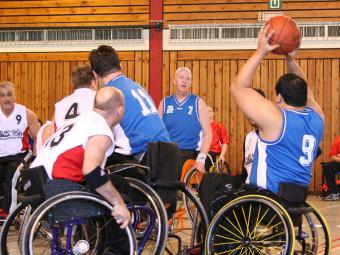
x=3, y=71
x=319, y=95
x=165, y=74
x=24, y=83
x=66, y=81
x=180, y=63
x=45, y=86
x=37, y=89
x=335, y=83
x=246, y=11
x=131, y=69
x=17, y=80
x=272, y=78
x=327, y=79
x=138, y=67
x=188, y=64
x=195, y=77
x=264, y=83
x=225, y=119
x=208, y=93
x=240, y=129
x=74, y=3
x=219, y=93
x=172, y=70
x=145, y=70
x=59, y=81
x=310, y=74
x=10, y=71
x=31, y=85
x=124, y=67
x=233, y=122
x=204, y=79
x=52, y=91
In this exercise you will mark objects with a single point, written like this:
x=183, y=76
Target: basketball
x=287, y=34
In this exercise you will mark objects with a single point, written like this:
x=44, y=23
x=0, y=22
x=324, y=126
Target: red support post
x=156, y=50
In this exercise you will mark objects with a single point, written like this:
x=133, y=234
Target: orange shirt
x=335, y=147
x=219, y=136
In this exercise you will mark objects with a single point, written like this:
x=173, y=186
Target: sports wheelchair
x=250, y=220
x=61, y=217
x=74, y=217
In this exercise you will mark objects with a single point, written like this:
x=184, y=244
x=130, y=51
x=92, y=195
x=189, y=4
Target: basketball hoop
x=264, y=16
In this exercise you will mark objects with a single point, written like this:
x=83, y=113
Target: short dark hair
x=104, y=60
x=82, y=77
x=293, y=89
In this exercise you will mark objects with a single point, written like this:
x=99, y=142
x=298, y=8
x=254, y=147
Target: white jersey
x=122, y=145
x=39, y=143
x=62, y=155
x=249, y=150
x=14, y=131
x=70, y=107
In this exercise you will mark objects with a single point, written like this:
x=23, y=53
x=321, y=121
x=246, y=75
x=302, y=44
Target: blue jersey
x=141, y=122
x=290, y=157
x=182, y=121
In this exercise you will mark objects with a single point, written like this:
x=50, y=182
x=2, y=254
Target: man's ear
x=279, y=99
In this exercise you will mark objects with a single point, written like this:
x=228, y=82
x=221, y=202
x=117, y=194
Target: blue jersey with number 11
x=141, y=122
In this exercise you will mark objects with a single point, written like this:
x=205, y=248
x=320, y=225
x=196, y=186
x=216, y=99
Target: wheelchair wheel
x=52, y=228
x=251, y=224
x=11, y=231
x=187, y=235
x=312, y=235
x=192, y=180
x=153, y=240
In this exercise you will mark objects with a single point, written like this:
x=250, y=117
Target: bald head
x=109, y=102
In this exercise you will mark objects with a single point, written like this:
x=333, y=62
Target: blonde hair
x=6, y=85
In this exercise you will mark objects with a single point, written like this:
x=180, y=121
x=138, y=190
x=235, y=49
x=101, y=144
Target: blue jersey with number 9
x=291, y=156
x=141, y=122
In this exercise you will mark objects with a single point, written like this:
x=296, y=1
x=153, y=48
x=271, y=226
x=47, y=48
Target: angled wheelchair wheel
x=312, y=234
x=251, y=224
x=11, y=231
x=192, y=180
x=151, y=227
x=72, y=222
x=186, y=234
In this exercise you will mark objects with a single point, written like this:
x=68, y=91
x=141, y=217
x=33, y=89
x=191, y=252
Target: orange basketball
x=287, y=34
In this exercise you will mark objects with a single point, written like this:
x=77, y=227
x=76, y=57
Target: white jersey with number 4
x=70, y=107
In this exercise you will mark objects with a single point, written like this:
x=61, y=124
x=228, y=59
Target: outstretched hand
x=263, y=46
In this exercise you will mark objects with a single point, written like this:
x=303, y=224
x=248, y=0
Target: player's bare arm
x=207, y=135
x=94, y=156
x=263, y=112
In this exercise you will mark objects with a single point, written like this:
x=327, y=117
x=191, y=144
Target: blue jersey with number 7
x=141, y=122
x=290, y=158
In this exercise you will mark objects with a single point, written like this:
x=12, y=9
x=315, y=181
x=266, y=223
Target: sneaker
x=331, y=197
